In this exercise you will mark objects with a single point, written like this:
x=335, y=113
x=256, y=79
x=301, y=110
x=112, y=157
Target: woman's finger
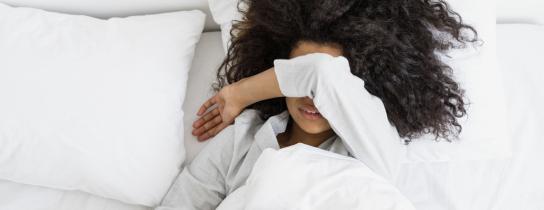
x=208, y=116
x=219, y=128
x=208, y=126
x=205, y=136
x=212, y=132
x=210, y=102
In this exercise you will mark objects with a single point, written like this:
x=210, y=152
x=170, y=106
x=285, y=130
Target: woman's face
x=302, y=110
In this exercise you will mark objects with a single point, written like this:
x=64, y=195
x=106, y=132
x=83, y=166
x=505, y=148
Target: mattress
x=522, y=187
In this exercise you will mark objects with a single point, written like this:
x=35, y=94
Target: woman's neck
x=295, y=134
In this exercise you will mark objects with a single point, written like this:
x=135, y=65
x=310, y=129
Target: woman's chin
x=314, y=129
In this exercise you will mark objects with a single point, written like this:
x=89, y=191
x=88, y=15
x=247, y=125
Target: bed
x=519, y=55
x=522, y=185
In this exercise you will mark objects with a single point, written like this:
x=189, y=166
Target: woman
x=358, y=78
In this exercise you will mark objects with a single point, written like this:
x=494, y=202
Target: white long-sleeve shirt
x=357, y=117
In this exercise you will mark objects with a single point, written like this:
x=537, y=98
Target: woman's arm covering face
x=358, y=117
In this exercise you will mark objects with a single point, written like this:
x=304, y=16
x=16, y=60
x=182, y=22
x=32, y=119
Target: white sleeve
x=356, y=116
x=201, y=185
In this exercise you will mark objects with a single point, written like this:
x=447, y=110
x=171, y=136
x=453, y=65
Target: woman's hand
x=221, y=109
x=232, y=100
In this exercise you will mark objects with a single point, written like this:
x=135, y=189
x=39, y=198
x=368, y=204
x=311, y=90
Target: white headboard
x=508, y=11
x=117, y=8
x=520, y=11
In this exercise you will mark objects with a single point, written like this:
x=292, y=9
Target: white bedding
x=520, y=55
x=520, y=52
x=304, y=177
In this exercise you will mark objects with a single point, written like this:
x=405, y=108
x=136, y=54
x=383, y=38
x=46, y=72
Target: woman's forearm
x=259, y=87
x=356, y=116
x=219, y=111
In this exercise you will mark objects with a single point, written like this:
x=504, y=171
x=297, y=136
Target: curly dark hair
x=393, y=45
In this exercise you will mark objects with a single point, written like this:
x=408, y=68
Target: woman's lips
x=310, y=113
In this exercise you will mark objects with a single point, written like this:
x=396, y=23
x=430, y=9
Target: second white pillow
x=475, y=68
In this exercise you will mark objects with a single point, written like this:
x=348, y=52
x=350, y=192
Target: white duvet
x=304, y=177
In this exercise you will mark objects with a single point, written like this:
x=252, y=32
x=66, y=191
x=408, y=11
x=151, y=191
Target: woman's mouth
x=310, y=113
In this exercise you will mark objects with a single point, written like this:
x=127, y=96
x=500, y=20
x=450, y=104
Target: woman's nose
x=308, y=100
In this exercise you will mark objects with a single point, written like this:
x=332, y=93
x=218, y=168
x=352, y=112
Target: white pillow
x=305, y=177
x=484, y=131
x=224, y=12
x=94, y=105
x=484, y=134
